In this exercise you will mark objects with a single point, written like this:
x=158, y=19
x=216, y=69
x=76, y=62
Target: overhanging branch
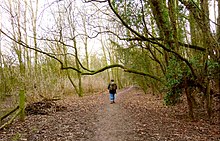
x=143, y=38
x=125, y=69
x=91, y=72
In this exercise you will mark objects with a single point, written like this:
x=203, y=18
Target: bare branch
x=91, y=72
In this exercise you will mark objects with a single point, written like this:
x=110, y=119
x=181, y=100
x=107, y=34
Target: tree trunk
x=80, y=92
x=34, y=28
x=22, y=70
x=189, y=99
x=22, y=104
x=218, y=24
x=2, y=76
x=208, y=100
x=190, y=103
x=161, y=15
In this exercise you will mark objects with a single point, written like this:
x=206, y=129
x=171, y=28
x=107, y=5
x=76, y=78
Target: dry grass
x=64, y=88
x=46, y=88
x=93, y=85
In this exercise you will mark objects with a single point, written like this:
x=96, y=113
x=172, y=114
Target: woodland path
x=134, y=117
x=114, y=122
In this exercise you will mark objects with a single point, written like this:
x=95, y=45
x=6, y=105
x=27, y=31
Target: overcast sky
x=45, y=17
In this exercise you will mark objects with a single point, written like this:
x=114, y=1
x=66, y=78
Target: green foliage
x=213, y=69
x=139, y=58
x=196, y=61
x=172, y=97
x=177, y=70
x=174, y=80
x=131, y=12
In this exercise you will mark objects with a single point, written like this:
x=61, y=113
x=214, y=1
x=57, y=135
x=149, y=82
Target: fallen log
x=49, y=99
x=11, y=120
x=9, y=113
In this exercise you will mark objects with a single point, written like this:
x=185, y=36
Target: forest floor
x=134, y=117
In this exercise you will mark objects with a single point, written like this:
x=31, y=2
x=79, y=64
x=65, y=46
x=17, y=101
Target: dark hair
x=112, y=80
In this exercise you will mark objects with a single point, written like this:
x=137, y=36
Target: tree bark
x=218, y=24
x=189, y=99
x=22, y=104
x=208, y=100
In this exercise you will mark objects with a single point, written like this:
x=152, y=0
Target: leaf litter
x=134, y=117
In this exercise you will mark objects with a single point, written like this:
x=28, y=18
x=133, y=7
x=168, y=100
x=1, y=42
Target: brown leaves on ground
x=43, y=107
x=134, y=116
x=158, y=122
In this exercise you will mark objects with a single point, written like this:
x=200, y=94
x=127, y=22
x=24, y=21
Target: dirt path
x=91, y=118
x=114, y=122
x=134, y=117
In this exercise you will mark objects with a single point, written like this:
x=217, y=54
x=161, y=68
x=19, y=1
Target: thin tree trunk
x=208, y=100
x=218, y=24
x=2, y=77
x=80, y=92
x=105, y=55
x=190, y=103
x=22, y=69
x=22, y=104
x=189, y=99
x=34, y=28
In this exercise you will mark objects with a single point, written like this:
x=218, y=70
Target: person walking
x=112, y=87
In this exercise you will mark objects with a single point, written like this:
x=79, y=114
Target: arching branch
x=90, y=72
x=125, y=69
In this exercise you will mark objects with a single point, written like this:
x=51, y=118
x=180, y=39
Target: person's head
x=112, y=80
